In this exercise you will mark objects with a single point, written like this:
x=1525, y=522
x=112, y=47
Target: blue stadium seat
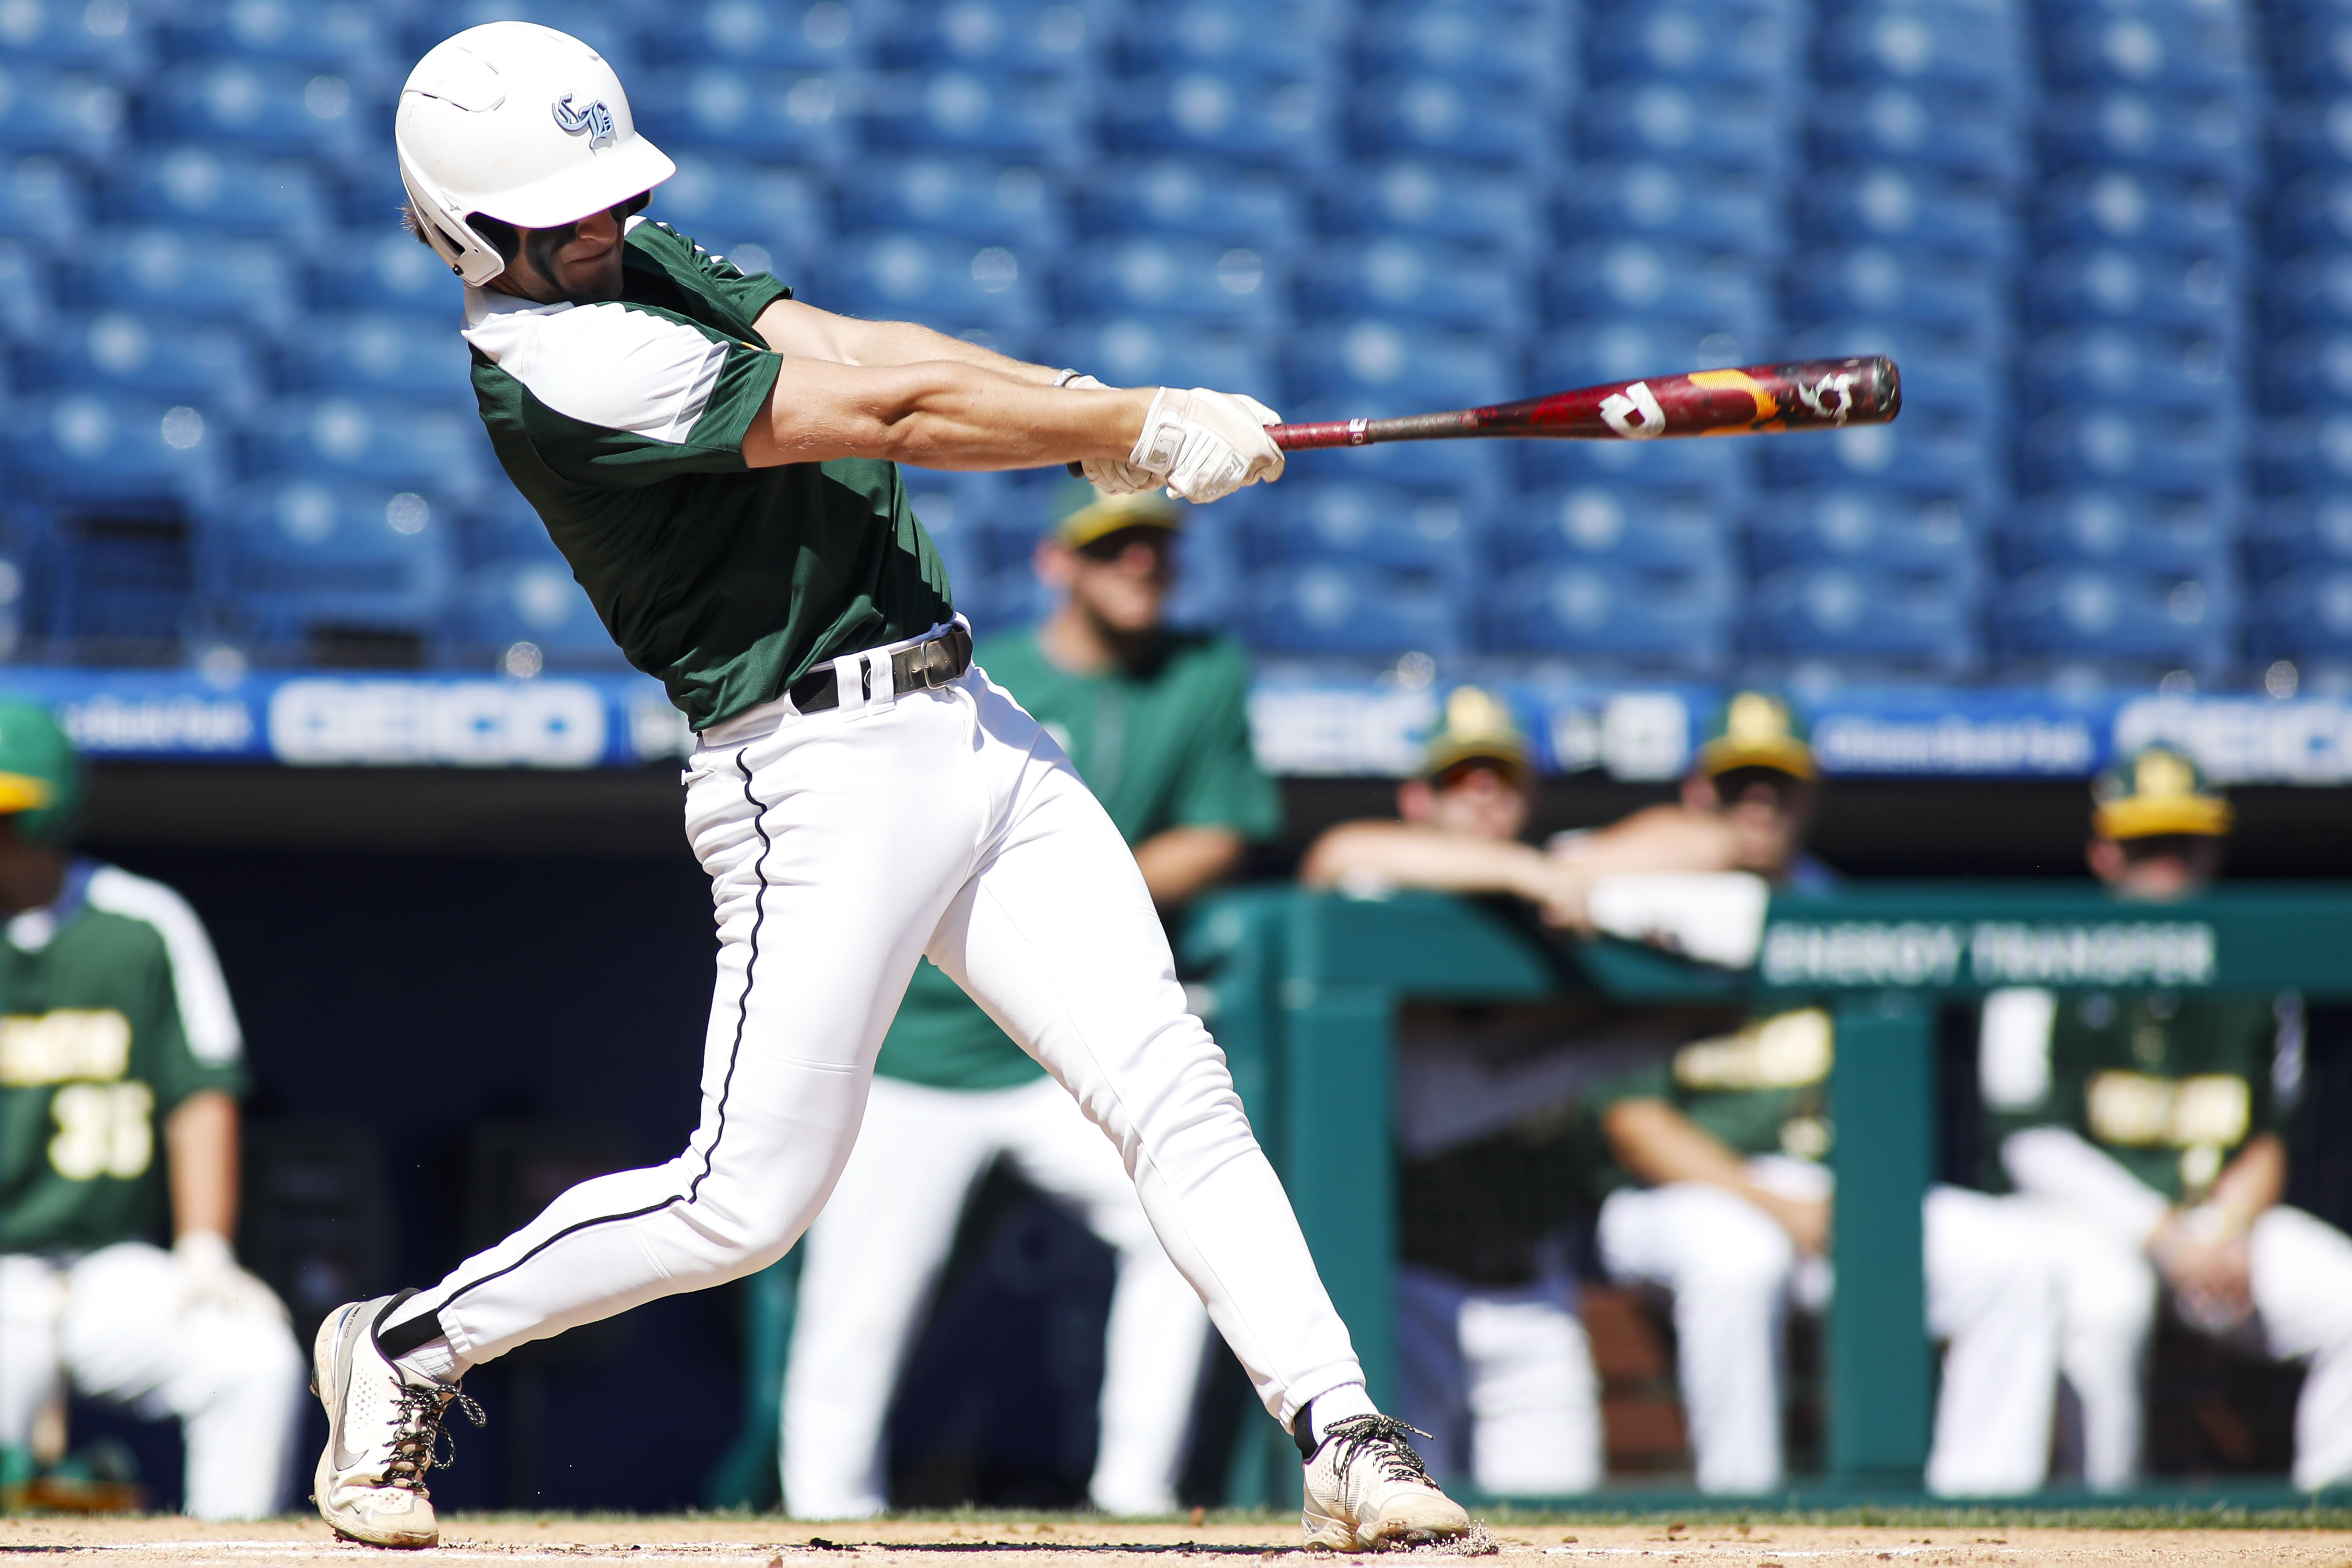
x=1917, y=622
x=1670, y=202
x=1193, y=196
x=1658, y=282
x=338, y=35
x=390, y=442
x=1339, y=609
x=2311, y=48
x=1868, y=525
x=215, y=368
x=992, y=34
x=27, y=292
x=1257, y=120
x=1489, y=122
x=2122, y=366
x=1722, y=468
x=63, y=35
x=2306, y=613
x=978, y=198
x=1473, y=472
x=2161, y=448
x=753, y=111
x=502, y=526
x=602, y=25
x=1346, y=520
x=1705, y=40
x=1276, y=38
x=1031, y=116
x=2308, y=133
x=165, y=271
x=726, y=202
x=1929, y=357
x=380, y=354
x=2134, y=287
x=1966, y=131
x=1426, y=281
x=387, y=269
x=1176, y=278
x=294, y=557
x=42, y=111
x=1946, y=44
x=2200, y=136
x=230, y=193
x=2187, y=535
x=1890, y=202
x=2143, y=208
x=1397, y=370
x=537, y=602
x=1634, y=525
x=1942, y=458
x=959, y=511
x=2158, y=47
x=45, y=198
x=1715, y=125
x=115, y=583
x=799, y=34
x=1654, y=620
x=2315, y=210
x=1462, y=201
x=939, y=281
x=1475, y=39
x=2118, y=613
x=1148, y=350
x=2305, y=452
x=1905, y=283
x=2283, y=533
x=1619, y=348
x=2311, y=291
x=81, y=448
x=273, y=106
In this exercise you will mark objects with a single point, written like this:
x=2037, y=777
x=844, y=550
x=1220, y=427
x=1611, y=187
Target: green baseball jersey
x=2169, y=1086
x=1165, y=745
x=622, y=424
x=112, y=1011
x=1764, y=1090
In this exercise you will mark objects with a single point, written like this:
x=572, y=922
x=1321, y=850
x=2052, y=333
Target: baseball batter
x=120, y=1065
x=1155, y=721
x=717, y=460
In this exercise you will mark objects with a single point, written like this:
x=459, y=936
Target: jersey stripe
x=208, y=1016
x=607, y=366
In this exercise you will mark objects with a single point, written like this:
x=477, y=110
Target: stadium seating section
x=2110, y=241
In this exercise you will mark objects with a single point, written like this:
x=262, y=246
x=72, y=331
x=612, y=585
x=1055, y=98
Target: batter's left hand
x=209, y=1276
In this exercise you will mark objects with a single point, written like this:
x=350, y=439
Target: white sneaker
x=381, y=1428
x=1366, y=1490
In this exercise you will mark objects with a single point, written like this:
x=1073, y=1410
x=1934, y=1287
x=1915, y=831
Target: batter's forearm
x=200, y=1144
x=939, y=414
x=793, y=327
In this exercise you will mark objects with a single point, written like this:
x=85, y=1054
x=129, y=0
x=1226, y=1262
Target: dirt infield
x=1091, y=1543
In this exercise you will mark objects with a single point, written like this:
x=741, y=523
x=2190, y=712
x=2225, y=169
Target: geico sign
x=459, y=724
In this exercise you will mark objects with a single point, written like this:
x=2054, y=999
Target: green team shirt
x=1164, y=746
x=112, y=1011
x=2171, y=1087
x=622, y=424
x=1764, y=1090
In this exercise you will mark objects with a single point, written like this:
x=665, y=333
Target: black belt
x=934, y=661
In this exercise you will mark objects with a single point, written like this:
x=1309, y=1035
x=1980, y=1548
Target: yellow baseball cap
x=1757, y=730
x=2156, y=792
x=1477, y=727
x=1087, y=514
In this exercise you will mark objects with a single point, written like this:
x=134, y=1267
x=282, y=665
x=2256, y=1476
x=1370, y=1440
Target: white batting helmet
x=523, y=123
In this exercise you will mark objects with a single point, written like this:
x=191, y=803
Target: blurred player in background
x=1717, y=1192
x=2151, y=1130
x=1156, y=722
x=120, y=1067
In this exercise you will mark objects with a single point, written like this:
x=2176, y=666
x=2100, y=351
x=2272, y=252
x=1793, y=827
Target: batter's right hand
x=1109, y=475
x=1206, y=445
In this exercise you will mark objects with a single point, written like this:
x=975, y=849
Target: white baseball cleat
x=381, y=1429
x=1366, y=1490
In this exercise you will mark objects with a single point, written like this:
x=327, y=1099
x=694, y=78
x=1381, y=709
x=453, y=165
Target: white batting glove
x=1206, y=445
x=1109, y=475
x=209, y=1276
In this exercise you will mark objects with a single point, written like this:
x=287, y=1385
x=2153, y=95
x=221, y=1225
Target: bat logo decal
x=1637, y=399
x=1818, y=396
x=595, y=119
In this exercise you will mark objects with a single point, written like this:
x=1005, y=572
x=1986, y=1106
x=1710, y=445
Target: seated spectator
x=2151, y=1131
x=118, y=1027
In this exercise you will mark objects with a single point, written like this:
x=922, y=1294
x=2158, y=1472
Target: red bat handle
x=1802, y=395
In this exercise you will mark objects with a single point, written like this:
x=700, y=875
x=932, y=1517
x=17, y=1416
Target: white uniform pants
x=1503, y=1381
x=2302, y=1275
x=873, y=1255
x=112, y=1323
x=842, y=846
x=1993, y=1293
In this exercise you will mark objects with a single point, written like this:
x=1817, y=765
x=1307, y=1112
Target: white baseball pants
x=1502, y=1380
x=112, y=1323
x=872, y=1259
x=842, y=845
x=2302, y=1275
x=1993, y=1293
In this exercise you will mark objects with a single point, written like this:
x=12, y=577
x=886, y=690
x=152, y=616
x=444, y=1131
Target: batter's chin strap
x=400, y=1338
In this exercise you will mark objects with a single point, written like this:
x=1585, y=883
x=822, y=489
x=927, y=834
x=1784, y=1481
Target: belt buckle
x=938, y=665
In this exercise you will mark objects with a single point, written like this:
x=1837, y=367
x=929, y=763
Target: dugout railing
x=1306, y=990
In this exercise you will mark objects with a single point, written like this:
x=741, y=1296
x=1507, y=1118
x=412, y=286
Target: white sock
x=434, y=1361
x=1337, y=1404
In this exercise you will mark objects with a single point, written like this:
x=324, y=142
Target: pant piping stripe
x=743, y=1016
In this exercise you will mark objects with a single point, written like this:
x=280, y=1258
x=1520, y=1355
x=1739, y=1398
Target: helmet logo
x=595, y=119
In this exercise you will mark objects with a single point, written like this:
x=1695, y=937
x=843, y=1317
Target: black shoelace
x=1385, y=1439
x=418, y=1444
